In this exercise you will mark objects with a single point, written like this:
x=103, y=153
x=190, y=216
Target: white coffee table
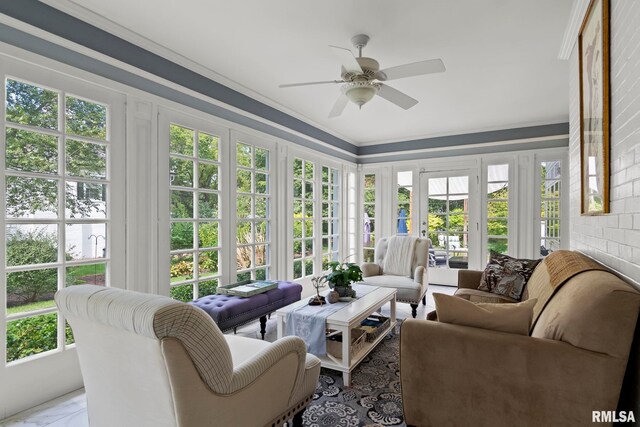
x=344, y=321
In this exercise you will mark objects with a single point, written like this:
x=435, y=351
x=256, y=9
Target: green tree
x=36, y=152
x=31, y=247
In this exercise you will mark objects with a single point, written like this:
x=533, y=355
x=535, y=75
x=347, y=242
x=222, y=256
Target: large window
x=330, y=216
x=369, y=219
x=58, y=209
x=405, y=202
x=497, y=208
x=304, y=203
x=194, y=168
x=253, y=216
x=550, y=180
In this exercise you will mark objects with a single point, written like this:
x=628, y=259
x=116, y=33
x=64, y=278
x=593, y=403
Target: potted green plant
x=342, y=275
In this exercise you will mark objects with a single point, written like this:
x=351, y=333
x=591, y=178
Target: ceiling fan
x=362, y=78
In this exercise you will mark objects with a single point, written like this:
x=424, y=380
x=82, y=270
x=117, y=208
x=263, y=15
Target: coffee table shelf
x=344, y=321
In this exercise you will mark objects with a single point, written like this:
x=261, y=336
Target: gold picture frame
x=593, y=54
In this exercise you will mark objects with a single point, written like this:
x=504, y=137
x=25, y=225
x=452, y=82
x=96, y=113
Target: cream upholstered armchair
x=411, y=289
x=148, y=360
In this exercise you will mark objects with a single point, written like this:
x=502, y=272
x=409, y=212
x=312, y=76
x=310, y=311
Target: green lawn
x=31, y=307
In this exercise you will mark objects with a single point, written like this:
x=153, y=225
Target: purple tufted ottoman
x=229, y=312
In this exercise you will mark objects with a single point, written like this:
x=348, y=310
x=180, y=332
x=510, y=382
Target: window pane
x=497, y=209
x=208, y=263
x=208, y=205
x=261, y=255
x=498, y=173
x=181, y=235
x=32, y=335
x=181, y=140
x=208, y=146
x=243, y=257
x=208, y=176
x=262, y=159
x=86, y=118
x=86, y=160
x=297, y=168
x=243, y=181
x=181, y=204
x=208, y=234
x=182, y=293
x=242, y=277
x=181, y=172
x=207, y=288
x=262, y=207
x=498, y=245
x=86, y=241
x=297, y=269
x=308, y=170
x=31, y=151
x=308, y=247
x=31, y=244
x=497, y=227
x=243, y=153
x=243, y=207
x=31, y=197
x=297, y=248
x=89, y=274
x=243, y=233
x=85, y=200
x=261, y=231
x=31, y=105
x=31, y=290
x=262, y=183
x=181, y=267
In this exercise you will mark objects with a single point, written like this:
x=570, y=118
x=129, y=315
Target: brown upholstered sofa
x=572, y=363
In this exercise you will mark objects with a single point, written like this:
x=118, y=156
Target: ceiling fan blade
x=396, y=97
x=311, y=83
x=347, y=58
x=429, y=66
x=339, y=106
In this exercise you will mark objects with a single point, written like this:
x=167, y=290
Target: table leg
x=280, y=326
x=263, y=325
x=346, y=379
x=393, y=312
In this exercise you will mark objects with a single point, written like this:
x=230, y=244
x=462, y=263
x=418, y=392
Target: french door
x=449, y=216
x=62, y=224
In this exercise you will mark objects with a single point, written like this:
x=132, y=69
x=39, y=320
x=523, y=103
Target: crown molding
x=572, y=29
x=77, y=11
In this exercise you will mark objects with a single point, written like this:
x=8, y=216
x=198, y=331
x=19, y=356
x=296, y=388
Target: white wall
x=613, y=239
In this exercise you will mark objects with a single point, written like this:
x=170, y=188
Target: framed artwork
x=593, y=45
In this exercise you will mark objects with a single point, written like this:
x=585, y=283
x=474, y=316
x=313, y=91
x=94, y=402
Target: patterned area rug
x=374, y=398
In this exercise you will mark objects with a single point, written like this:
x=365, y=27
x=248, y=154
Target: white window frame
x=273, y=194
x=538, y=158
x=167, y=117
x=512, y=225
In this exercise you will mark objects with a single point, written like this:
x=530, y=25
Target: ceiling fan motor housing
x=370, y=68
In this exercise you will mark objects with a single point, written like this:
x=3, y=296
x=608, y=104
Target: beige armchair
x=148, y=360
x=411, y=289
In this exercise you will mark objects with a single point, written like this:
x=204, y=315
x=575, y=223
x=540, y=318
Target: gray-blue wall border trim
x=468, y=138
x=53, y=51
x=66, y=26
x=466, y=151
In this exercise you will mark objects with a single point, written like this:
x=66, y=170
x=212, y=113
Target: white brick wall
x=613, y=239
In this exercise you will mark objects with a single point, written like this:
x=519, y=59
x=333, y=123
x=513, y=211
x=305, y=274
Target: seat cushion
x=408, y=289
x=475, y=295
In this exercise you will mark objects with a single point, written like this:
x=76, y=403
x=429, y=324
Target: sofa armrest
x=370, y=269
x=253, y=368
x=469, y=279
x=420, y=275
x=495, y=377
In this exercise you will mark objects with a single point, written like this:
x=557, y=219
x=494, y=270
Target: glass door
x=449, y=218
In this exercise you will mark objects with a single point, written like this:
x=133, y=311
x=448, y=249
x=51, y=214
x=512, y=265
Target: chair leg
x=424, y=299
x=414, y=310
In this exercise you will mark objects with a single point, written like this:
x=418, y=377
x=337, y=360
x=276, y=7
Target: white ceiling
x=501, y=56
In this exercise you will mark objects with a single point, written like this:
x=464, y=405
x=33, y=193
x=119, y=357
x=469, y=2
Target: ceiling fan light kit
x=362, y=78
x=360, y=92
